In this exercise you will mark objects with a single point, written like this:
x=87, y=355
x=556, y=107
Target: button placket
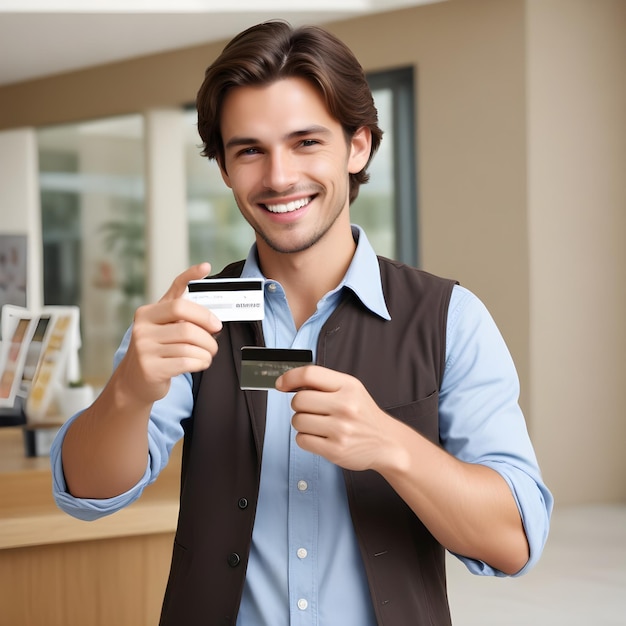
x=303, y=518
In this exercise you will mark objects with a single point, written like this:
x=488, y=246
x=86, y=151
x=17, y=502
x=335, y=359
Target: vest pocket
x=421, y=415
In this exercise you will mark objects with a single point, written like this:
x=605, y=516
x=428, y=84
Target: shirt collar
x=362, y=277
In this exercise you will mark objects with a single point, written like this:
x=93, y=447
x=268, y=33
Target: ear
x=360, y=148
x=224, y=173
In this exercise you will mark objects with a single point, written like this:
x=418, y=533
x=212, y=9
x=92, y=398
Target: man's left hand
x=336, y=417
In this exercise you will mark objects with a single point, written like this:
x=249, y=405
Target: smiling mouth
x=288, y=207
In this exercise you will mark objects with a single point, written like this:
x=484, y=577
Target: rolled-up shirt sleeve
x=480, y=420
x=164, y=430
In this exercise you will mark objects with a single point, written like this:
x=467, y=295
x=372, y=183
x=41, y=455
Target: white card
x=230, y=299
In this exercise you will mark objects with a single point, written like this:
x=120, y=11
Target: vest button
x=234, y=559
x=243, y=503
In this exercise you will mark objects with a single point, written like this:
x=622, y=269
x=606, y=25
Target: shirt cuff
x=534, y=502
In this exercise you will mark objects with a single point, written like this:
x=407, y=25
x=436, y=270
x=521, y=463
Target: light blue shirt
x=305, y=567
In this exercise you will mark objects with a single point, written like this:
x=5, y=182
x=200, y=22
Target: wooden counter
x=59, y=571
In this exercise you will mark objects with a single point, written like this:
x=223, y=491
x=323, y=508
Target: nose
x=280, y=170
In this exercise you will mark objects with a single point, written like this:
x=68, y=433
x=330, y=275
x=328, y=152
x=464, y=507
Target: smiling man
x=287, y=162
x=329, y=499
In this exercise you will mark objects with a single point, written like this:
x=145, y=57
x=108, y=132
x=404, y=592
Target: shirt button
x=302, y=604
x=302, y=553
x=302, y=485
x=272, y=287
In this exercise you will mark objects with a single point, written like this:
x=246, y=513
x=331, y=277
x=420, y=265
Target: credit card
x=260, y=367
x=230, y=299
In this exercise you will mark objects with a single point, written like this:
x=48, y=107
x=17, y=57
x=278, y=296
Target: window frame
x=401, y=83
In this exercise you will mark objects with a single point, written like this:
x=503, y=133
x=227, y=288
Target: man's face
x=287, y=162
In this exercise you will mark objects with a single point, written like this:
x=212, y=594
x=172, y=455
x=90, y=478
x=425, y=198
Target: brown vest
x=401, y=363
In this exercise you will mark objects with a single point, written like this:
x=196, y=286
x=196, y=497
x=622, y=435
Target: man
x=329, y=499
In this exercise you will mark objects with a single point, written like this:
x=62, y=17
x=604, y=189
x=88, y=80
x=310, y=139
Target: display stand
x=39, y=370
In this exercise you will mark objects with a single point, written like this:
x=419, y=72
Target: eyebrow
x=248, y=141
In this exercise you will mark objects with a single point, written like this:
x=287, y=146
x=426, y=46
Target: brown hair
x=275, y=50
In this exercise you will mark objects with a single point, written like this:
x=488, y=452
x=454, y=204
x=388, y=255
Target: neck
x=308, y=275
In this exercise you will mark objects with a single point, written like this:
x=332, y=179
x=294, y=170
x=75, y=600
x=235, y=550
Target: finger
x=313, y=402
x=180, y=359
x=312, y=424
x=314, y=444
x=187, y=333
x=166, y=351
x=178, y=310
x=309, y=377
x=160, y=370
x=178, y=286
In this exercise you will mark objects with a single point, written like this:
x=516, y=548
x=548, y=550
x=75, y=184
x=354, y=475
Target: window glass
x=374, y=207
x=217, y=231
x=394, y=96
x=92, y=210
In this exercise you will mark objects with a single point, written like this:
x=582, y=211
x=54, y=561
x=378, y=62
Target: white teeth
x=287, y=208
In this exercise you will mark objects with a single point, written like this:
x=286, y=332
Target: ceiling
x=45, y=37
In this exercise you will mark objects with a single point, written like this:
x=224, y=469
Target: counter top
x=29, y=515
x=12, y=455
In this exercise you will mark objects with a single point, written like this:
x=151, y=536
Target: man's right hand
x=169, y=337
x=105, y=449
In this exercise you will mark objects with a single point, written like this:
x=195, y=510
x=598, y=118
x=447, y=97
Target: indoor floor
x=580, y=580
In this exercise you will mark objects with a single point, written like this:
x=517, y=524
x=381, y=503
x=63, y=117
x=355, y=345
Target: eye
x=249, y=152
x=307, y=143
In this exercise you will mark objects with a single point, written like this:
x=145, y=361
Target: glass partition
x=217, y=231
x=92, y=209
x=373, y=209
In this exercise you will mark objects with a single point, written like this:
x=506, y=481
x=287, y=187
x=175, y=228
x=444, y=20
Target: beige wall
x=469, y=57
x=494, y=150
x=577, y=225
x=152, y=82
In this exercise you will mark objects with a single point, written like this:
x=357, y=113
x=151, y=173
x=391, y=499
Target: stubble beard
x=306, y=244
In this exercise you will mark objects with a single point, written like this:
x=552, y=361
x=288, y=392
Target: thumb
x=178, y=286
